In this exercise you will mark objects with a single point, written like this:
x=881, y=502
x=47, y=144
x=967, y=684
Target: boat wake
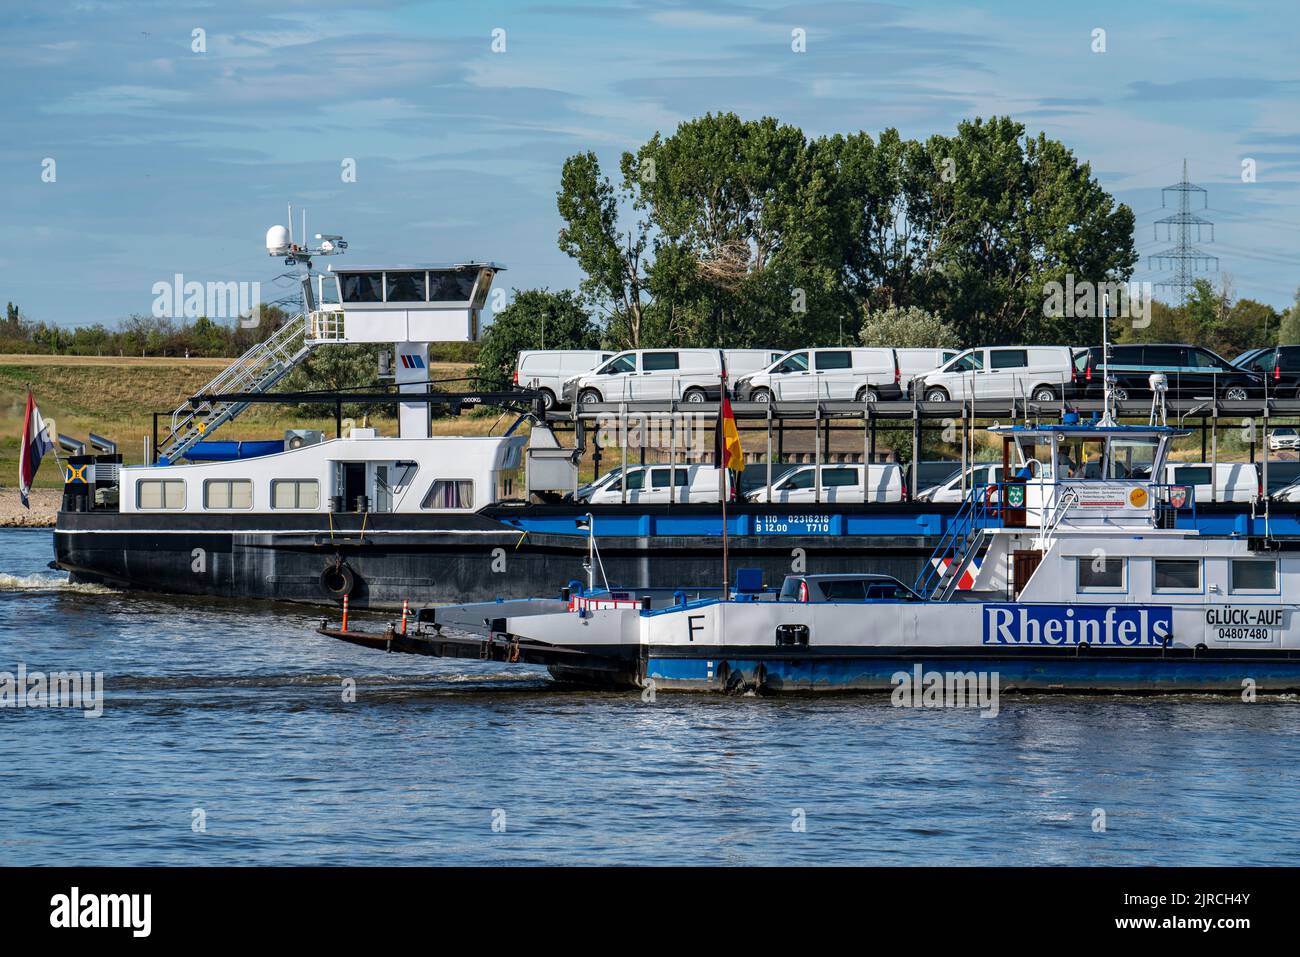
x=49, y=583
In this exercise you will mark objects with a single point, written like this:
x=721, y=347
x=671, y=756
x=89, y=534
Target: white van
x=860, y=375
x=1038, y=373
x=692, y=375
x=659, y=485
x=546, y=370
x=839, y=484
x=986, y=473
x=743, y=362
x=1233, y=481
x=915, y=362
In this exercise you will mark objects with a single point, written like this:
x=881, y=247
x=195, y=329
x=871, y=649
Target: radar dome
x=277, y=240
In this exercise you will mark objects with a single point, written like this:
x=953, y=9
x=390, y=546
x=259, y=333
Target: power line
x=1183, y=257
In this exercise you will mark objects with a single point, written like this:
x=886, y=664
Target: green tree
x=1288, y=333
x=535, y=319
x=908, y=328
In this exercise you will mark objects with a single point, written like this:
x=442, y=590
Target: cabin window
x=362, y=287
x=451, y=286
x=1254, y=575
x=1177, y=574
x=1100, y=574
x=450, y=493
x=160, y=493
x=295, y=493
x=228, y=493
x=404, y=286
x=1132, y=458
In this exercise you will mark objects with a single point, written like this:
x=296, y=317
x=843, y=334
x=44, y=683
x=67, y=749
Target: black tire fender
x=338, y=579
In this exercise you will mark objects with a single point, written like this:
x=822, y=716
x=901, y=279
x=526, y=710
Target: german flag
x=730, y=455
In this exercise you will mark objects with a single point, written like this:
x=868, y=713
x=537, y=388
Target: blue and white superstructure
x=1074, y=577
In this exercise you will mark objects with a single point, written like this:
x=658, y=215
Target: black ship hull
x=381, y=560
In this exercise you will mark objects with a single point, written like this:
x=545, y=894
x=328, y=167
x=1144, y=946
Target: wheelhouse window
x=295, y=493
x=362, y=287
x=1132, y=458
x=228, y=493
x=1177, y=574
x=1254, y=575
x=1100, y=574
x=404, y=286
x=455, y=286
x=450, y=493
x=160, y=494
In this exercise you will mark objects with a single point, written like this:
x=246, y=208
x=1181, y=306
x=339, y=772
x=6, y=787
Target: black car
x=1190, y=372
x=1280, y=367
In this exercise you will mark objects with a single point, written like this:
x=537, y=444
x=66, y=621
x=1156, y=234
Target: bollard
x=406, y=604
x=345, y=613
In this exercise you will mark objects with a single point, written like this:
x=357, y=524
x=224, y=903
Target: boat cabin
x=1089, y=474
x=359, y=473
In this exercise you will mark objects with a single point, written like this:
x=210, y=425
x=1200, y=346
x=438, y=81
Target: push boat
x=1071, y=575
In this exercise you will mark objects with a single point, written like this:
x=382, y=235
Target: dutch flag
x=35, y=443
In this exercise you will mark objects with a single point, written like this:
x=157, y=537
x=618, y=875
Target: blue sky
x=173, y=161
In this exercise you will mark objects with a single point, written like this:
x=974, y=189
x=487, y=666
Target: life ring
x=337, y=579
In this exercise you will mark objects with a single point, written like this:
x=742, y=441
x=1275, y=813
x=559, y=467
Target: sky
x=170, y=159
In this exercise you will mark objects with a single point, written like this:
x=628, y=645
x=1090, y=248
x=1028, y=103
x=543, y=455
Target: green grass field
x=116, y=398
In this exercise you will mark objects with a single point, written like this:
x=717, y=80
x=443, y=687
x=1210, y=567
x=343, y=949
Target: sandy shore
x=45, y=505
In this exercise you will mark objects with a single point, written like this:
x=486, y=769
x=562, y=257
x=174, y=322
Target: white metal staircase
x=257, y=370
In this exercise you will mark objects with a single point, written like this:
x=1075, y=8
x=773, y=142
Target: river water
x=226, y=738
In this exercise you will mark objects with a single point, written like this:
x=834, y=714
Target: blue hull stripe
x=1101, y=674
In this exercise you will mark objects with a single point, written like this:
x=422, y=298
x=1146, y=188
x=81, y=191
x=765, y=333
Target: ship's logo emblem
x=1016, y=496
x=1178, y=496
x=412, y=362
x=76, y=474
x=1138, y=497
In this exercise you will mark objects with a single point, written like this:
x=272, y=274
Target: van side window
x=1202, y=359
x=620, y=364
x=659, y=478
x=971, y=362
x=1163, y=357
x=838, y=478
x=795, y=363
x=658, y=361
x=1008, y=359
x=837, y=589
x=833, y=360
x=800, y=479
